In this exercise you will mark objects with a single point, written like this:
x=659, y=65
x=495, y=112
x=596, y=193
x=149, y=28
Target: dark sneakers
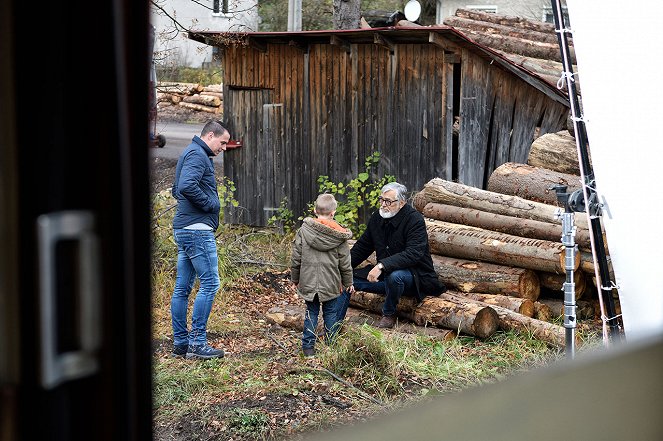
x=179, y=350
x=309, y=352
x=203, y=352
x=387, y=321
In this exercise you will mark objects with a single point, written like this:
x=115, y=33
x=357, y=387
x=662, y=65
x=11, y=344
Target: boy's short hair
x=325, y=204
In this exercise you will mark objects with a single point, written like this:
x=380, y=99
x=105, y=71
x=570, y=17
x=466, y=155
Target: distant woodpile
x=192, y=96
x=499, y=252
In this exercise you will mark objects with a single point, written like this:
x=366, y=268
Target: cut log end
x=529, y=285
x=486, y=322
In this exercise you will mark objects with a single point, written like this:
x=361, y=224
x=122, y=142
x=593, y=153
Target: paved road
x=178, y=136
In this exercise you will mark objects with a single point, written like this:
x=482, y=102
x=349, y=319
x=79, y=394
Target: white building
x=173, y=18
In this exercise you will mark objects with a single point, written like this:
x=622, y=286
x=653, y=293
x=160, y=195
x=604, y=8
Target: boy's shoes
x=179, y=350
x=387, y=321
x=309, y=352
x=203, y=352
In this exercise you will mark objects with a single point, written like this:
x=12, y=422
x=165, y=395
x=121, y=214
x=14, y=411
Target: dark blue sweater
x=195, y=187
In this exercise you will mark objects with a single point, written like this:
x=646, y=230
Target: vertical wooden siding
x=303, y=114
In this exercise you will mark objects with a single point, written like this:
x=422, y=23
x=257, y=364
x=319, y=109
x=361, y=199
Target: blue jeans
x=309, y=335
x=196, y=256
x=393, y=287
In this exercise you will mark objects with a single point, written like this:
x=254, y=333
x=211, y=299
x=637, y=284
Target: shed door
x=257, y=168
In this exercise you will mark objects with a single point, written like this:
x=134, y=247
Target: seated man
x=397, y=234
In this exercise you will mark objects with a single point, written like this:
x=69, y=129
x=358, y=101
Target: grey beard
x=387, y=214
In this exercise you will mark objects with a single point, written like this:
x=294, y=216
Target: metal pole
x=570, y=248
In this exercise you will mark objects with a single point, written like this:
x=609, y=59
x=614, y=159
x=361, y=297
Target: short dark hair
x=215, y=127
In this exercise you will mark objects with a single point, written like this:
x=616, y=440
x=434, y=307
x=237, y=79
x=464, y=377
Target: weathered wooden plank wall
x=304, y=114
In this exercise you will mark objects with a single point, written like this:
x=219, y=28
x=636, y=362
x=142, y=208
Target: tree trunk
x=519, y=46
x=501, y=223
x=550, y=333
x=555, y=283
x=201, y=108
x=512, y=21
x=205, y=100
x=456, y=240
x=488, y=28
x=346, y=14
x=529, y=182
x=555, y=151
x=218, y=88
x=521, y=306
x=219, y=95
x=474, y=276
x=460, y=195
x=461, y=315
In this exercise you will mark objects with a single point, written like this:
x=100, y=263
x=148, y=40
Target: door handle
x=73, y=231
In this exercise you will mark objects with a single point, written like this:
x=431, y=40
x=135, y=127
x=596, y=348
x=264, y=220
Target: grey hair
x=401, y=190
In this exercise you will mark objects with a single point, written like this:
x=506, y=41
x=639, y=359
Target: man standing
x=397, y=234
x=194, y=224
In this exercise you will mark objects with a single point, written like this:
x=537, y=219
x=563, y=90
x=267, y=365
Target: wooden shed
x=431, y=101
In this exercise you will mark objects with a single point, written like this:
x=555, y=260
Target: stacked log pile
x=529, y=44
x=192, y=96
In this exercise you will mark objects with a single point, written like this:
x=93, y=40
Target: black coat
x=399, y=242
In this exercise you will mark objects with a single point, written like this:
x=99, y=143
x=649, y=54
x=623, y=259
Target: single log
x=542, y=312
x=521, y=306
x=549, y=70
x=529, y=182
x=168, y=97
x=475, y=276
x=181, y=88
x=465, y=316
x=461, y=241
x=205, y=100
x=219, y=95
x=213, y=88
x=289, y=317
x=501, y=223
x=584, y=308
x=488, y=28
x=555, y=283
x=518, y=46
x=550, y=333
x=460, y=195
x=555, y=151
x=506, y=20
x=200, y=107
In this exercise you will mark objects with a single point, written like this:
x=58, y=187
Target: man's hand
x=374, y=274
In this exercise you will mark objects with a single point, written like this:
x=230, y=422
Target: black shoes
x=179, y=350
x=309, y=352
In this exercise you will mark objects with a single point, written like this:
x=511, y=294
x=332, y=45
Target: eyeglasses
x=385, y=201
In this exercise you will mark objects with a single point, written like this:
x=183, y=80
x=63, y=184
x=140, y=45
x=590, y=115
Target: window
x=548, y=15
x=219, y=7
x=483, y=8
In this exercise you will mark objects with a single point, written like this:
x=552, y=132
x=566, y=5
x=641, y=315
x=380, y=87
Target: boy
x=320, y=269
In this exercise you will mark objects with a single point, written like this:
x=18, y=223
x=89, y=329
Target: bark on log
x=529, y=182
x=585, y=309
x=465, y=316
x=550, y=333
x=460, y=195
x=200, y=107
x=364, y=317
x=506, y=20
x=213, y=88
x=181, y=88
x=489, y=28
x=501, y=223
x=474, y=276
x=518, y=46
x=456, y=240
x=168, y=97
x=555, y=283
x=204, y=100
x=555, y=151
x=521, y=306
